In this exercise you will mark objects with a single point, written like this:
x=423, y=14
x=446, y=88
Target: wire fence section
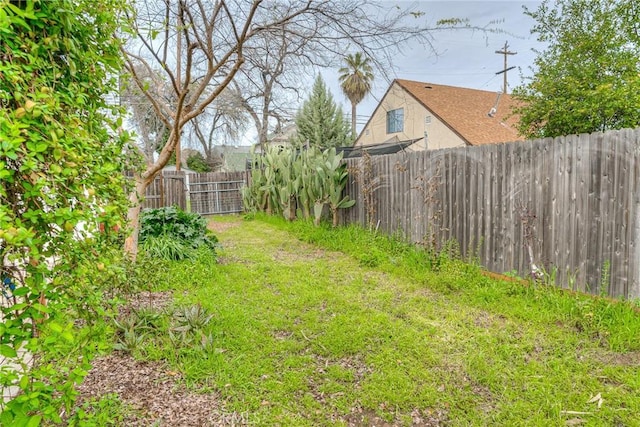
x=216, y=192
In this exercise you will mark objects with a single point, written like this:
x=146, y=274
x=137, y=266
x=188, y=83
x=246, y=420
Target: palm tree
x=355, y=80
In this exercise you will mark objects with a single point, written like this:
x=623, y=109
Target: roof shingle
x=466, y=111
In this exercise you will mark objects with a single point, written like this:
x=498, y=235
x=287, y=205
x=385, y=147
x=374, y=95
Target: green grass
x=313, y=325
x=105, y=411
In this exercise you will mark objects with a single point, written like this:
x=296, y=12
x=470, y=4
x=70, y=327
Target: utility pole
x=505, y=51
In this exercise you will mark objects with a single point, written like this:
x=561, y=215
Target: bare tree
x=269, y=83
x=200, y=46
x=224, y=121
x=150, y=128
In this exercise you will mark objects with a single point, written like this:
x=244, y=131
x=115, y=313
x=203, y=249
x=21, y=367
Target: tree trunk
x=263, y=133
x=133, y=216
x=353, y=120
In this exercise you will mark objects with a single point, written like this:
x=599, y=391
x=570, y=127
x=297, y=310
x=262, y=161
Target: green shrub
x=170, y=233
x=166, y=247
x=197, y=163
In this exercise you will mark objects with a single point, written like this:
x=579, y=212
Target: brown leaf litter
x=155, y=394
x=152, y=390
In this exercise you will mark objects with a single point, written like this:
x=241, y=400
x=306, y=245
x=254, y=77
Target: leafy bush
x=196, y=162
x=166, y=247
x=170, y=233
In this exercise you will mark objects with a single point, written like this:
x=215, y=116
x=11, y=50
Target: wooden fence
x=216, y=192
x=569, y=205
x=168, y=189
x=203, y=193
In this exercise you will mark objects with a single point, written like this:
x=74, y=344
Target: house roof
x=466, y=111
x=283, y=135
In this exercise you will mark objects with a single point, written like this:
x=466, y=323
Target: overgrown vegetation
x=356, y=327
x=363, y=174
x=173, y=234
x=61, y=163
x=293, y=183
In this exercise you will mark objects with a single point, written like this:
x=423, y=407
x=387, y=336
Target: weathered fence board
x=168, y=189
x=216, y=192
x=572, y=201
x=207, y=193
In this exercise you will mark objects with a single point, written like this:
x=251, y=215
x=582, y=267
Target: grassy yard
x=313, y=326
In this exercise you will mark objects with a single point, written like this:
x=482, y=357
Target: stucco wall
x=438, y=134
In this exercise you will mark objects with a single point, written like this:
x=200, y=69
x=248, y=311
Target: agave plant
x=191, y=319
x=130, y=334
x=130, y=341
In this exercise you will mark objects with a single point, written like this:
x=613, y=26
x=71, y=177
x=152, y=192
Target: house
x=439, y=116
x=283, y=136
x=234, y=157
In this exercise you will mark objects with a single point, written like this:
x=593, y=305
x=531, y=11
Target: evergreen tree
x=321, y=122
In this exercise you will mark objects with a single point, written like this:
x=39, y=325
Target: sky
x=465, y=58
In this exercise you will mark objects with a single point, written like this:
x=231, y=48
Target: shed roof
x=388, y=147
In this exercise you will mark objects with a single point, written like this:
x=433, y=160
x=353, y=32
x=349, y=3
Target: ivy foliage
x=588, y=78
x=61, y=163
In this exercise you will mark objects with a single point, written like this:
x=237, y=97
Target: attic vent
x=428, y=87
x=427, y=120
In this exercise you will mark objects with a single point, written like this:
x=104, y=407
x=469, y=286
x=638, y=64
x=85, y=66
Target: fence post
x=187, y=193
x=161, y=189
